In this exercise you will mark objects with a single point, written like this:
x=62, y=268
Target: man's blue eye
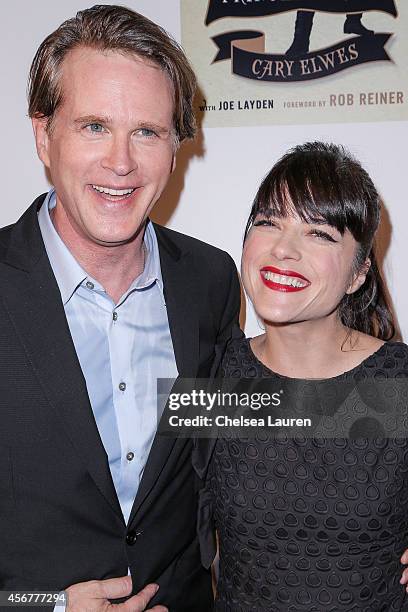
x=95, y=127
x=147, y=132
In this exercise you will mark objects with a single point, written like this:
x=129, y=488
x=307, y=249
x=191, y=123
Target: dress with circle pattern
x=311, y=525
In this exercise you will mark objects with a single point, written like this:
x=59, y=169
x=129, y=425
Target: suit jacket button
x=131, y=538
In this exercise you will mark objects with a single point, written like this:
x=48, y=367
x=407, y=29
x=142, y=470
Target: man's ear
x=359, y=277
x=42, y=139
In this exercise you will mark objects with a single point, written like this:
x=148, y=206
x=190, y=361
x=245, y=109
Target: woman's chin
x=275, y=317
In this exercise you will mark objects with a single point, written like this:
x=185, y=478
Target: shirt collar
x=69, y=273
x=152, y=271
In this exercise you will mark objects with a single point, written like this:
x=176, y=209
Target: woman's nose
x=286, y=246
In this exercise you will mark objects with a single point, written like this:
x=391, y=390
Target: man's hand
x=404, y=560
x=94, y=596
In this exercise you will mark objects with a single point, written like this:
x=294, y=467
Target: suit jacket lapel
x=39, y=319
x=181, y=295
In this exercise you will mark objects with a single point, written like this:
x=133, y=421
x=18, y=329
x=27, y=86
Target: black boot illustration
x=303, y=29
x=301, y=39
x=353, y=25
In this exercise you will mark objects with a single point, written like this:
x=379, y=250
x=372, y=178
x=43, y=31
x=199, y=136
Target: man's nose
x=120, y=156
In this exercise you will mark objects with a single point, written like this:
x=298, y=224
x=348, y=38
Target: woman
x=308, y=523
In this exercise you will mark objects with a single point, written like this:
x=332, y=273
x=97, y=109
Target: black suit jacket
x=60, y=518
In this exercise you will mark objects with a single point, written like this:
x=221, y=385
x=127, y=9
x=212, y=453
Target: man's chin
x=115, y=239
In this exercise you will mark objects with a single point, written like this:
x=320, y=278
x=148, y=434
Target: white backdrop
x=210, y=193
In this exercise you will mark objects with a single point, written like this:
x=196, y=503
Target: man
x=97, y=303
x=303, y=29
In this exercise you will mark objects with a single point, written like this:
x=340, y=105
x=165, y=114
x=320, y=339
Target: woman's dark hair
x=319, y=181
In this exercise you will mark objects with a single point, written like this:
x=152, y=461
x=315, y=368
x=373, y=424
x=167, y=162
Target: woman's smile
x=283, y=280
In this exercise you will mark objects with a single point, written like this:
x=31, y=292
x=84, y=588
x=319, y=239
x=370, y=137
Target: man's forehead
x=85, y=65
x=85, y=53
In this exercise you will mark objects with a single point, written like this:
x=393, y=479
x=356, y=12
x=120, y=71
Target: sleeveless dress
x=310, y=524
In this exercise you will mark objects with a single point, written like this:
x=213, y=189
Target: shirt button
x=130, y=456
x=115, y=316
x=122, y=386
x=90, y=285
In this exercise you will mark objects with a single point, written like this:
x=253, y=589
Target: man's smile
x=113, y=191
x=114, y=194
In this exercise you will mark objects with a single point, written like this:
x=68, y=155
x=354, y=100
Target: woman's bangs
x=301, y=198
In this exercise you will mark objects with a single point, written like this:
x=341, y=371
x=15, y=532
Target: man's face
x=113, y=132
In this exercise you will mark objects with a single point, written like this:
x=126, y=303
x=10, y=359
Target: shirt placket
x=121, y=341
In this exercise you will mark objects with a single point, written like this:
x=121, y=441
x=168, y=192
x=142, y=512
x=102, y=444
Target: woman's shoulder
x=240, y=362
x=236, y=349
x=395, y=346
x=237, y=345
x=389, y=360
x=396, y=349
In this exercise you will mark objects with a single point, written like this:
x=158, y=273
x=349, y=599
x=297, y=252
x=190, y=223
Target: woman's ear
x=359, y=277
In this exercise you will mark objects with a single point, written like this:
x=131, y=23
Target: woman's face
x=295, y=271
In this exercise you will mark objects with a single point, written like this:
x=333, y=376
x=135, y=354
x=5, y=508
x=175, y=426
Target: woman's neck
x=313, y=349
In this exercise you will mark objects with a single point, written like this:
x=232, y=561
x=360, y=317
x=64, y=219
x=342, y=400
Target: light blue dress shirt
x=122, y=348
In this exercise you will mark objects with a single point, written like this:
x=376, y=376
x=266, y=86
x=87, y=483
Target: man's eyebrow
x=106, y=120
x=93, y=119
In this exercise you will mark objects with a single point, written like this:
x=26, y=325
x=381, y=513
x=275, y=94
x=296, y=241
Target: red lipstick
x=272, y=284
